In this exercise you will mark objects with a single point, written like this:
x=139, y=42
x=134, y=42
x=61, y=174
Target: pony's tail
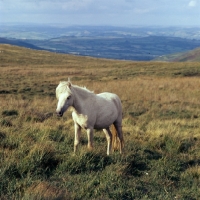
x=115, y=139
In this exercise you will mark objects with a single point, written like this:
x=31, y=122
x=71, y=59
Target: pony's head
x=64, y=96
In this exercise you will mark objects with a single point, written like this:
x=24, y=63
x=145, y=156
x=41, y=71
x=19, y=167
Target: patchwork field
x=161, y=126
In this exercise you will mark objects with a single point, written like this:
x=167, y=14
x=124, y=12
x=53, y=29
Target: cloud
x=73, y=5
x=192, y=3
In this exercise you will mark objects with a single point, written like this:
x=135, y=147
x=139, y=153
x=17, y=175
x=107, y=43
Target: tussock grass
x=161, y=125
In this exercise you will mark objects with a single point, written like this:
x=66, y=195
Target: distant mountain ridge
x=48, y=31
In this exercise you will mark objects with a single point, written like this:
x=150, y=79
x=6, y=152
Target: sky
x=102, y=12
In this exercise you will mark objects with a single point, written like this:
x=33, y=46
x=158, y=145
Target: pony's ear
x=69, y=82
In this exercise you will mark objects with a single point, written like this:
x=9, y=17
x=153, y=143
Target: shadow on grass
x=9, y=112
x=136, y=166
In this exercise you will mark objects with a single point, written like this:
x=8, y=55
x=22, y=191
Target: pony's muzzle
x=59, y=113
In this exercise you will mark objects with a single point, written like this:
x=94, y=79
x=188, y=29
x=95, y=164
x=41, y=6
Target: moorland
x=161, y=126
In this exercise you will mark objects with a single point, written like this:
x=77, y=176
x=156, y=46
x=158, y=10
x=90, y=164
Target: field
x=161, y=126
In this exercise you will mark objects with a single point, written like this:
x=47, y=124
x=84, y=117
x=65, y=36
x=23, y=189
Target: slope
x=189, y=56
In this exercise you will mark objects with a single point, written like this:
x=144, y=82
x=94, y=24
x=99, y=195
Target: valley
x=122, y=43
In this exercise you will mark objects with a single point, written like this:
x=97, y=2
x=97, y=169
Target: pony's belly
x=102, y=125
x=105, y=118
x=98, y=127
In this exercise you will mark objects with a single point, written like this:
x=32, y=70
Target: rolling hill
x=189, y=56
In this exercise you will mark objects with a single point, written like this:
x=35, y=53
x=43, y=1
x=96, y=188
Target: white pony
x=91, y=111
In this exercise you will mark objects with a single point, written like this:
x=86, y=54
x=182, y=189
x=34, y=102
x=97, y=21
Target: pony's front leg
x=90, y=138
x=77, y=130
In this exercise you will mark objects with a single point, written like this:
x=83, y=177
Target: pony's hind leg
x=118, y=128
x=109, y=139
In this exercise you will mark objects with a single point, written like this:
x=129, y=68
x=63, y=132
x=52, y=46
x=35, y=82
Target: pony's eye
x=68, y=97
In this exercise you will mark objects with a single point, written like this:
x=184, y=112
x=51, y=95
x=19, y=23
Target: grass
x=161, y=126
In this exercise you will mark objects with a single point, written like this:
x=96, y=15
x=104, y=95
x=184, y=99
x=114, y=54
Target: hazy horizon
x=93, y=25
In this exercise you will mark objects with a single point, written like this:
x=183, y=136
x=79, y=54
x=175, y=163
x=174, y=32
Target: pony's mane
x=66, y=86
x=83, y=88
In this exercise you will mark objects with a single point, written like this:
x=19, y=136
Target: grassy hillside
x=189, y=56
x=161, y=126
x=19, y=43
